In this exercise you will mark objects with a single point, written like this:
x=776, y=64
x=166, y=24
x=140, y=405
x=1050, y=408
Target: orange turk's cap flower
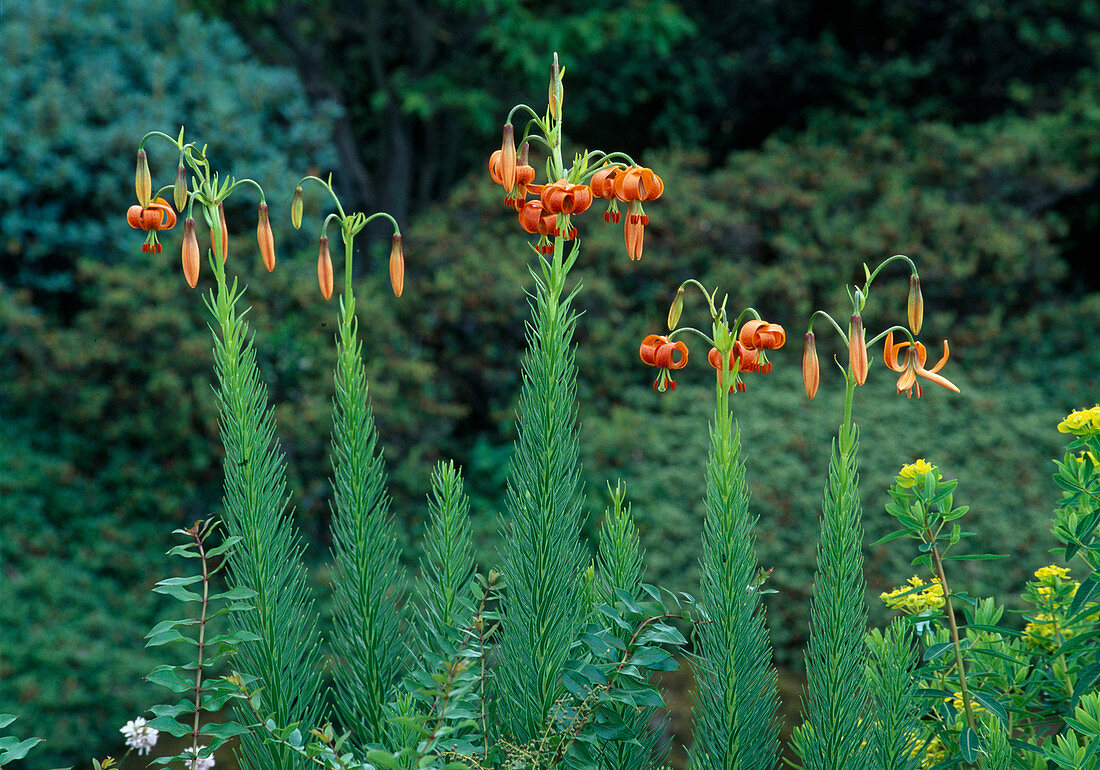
x=143, y=181
x=296, y=206
x=664, y=355
x=397, y=265
x=508, y=159
x=915, y=305
x=179, y=189
x=603, y=182
x=747, y=335
x=857, y=349
x=158, y=215
x=648, y=349
x=638, y=183
x=530, y=216
x=633, y=231
x=760, y=335
x=324, y=268
x=811, y=372
x=913, y=366
x=190, y=253
x=265, y=239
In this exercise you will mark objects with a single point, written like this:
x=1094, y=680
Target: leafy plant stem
x=949, y=610
x=202, y=641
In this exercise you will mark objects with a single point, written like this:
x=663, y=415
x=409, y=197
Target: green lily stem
x=949, y=610
x=201, y=644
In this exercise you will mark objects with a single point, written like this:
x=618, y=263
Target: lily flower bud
x=397, y=265
x=143, y=182
x=676, y=309
x=324, y=269
x=224, y=233
x=265, y=238
x=524, y=152
x=508, y=159
x=190, y=253
x=555, y=95
x=296, y=208
x=179, y=189
x=915, y=306
x=857, y=349
x=811, y=372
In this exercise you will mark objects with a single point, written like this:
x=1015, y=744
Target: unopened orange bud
x=397, y=266
x=143, y=182
x=190, y=253
x=296, y=208
x=324, y=269
x=811, y=372
x=676, y=309
x=857, y=349
x=915, y=306
x=265, y=239
x=179, y=189
x=508, y=159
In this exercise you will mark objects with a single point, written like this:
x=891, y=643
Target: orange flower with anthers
x=158, y=215
x=633, y=186
x=534, y=219
x=603, y=186
x=656, y=350
x=913, y=365
x=525, y=175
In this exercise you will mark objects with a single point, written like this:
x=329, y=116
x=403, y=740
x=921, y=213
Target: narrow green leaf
x=968, y=745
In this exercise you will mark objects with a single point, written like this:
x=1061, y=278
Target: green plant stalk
x=736, y=699
x=268, y=559
x=960, y=663
x=834, y=703
x=543, y=556
x=201, y=644
x=369, y=632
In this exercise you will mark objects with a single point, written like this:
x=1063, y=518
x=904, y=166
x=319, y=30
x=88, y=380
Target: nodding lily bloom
x=565, y=198
x=913, y=365
x=534, y=219
x=525, y=175
x=656, y=350
x=754, y=338
x=158, y=215
x=638, y=183
x=603, y=186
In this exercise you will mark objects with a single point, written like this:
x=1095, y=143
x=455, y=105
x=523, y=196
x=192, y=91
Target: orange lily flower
x=656, y=350
x=534, y=219
x=754, y=338
x=158, y=215
x=638, y=183
x=525, y=175
x=913, y=365
x=603, y=186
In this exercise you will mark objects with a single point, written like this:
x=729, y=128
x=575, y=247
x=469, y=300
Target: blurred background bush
x=796, y=141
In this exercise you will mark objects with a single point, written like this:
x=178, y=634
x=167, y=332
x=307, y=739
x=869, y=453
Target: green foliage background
x=795, y=144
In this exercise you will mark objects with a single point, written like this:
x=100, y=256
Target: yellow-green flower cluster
x=1050, y=578
x=914, y=473
x=929, y=597
x=1045, y=632
x=956, y=700
x=1083, y=422
x=934, y=752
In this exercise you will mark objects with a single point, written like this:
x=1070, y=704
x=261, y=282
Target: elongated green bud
x=143, y=181
x=296, y=208
x=676, y=309
x=179, y=189
x=915, y=306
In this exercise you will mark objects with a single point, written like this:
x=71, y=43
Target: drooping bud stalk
x=179, y=189
x=143, y=181
x=676, y=309
x=324, y=269
x=857, y=349
x=265, y=238
x=915, y=306
x=508, y=159
x=811, y=372
x=397, y=265
x=296, y=208
x=224, y=233
x=190, y=253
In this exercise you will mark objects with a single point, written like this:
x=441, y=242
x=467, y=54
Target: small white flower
x=139, y=735
x=196, y=762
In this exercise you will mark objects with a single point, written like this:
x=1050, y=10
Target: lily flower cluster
x=613, y=177
x=729, y=355
x=153, y=213
x=907, y=358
